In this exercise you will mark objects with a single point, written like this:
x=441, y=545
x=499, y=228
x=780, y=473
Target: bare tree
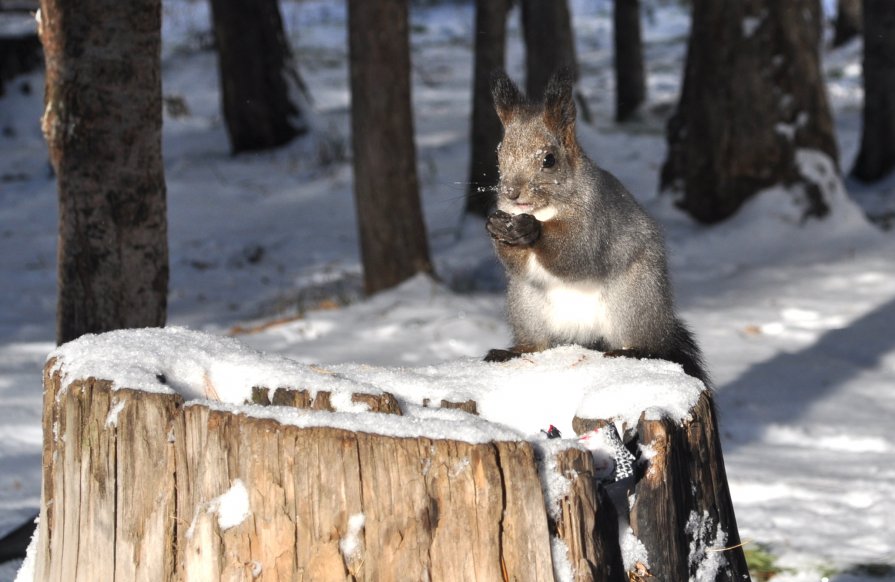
x=630, y=73
x=848, y=21
x=102, y=124
x=753, y=96
x=877, y=156
x=389, y=214
x=490, y=48
x=262, y=94
x=549, y=43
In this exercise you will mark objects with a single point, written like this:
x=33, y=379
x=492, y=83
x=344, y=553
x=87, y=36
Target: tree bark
x=663, y=500
x=753, y=96
x=261, y=91
x=630, y=75
x=549, y=43
x=490, y=48
x=102, y=124
x=588, y=522
x=876, y=158
x=848, y=21
x=392, y=232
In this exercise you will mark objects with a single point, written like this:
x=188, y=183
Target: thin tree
x=753, y=97
x=876, y=158
x=848, y=21
x=389, y=214
x=630, y=73
x=490, y=49
x=102, y=123
x=549, y=43
x=263, y=96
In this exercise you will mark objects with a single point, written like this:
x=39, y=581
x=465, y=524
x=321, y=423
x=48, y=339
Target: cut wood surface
x=145, y=486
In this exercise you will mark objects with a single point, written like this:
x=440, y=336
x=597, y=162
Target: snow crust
x=190, y=363
x=516, y=399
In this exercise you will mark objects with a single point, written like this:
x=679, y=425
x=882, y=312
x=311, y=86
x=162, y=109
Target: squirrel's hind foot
x=497, y=355
x=630, y=353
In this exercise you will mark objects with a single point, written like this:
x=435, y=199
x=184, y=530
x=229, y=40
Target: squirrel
x=585, y=264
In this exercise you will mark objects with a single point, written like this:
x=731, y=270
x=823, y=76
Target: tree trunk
x=102, y=124
x=630, y=76
x=753, y=96
x=877, y=155
x=490, y=47
x=262, y=93
x=145, y=486
x=323, y=503
x=389, y=214
x=549, y=43
x=848, y=21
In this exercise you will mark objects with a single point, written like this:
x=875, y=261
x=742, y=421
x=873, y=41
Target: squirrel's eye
x=549, y=161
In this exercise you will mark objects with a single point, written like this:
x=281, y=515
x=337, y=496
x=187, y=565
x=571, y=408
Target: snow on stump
x=175, y=455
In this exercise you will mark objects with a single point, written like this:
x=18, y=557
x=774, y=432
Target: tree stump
x=682, y=512
x=141, y=485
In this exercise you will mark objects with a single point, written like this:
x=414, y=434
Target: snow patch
x=112, y=417
x=563, y=570
x=666, y=399
x=554, y=484
x=749, y=25
x=26, y=570
x=232, y=506
x=633, y=550
x=352, y=544
x=706, y=547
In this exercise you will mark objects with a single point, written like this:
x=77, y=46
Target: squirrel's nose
x=513, y=193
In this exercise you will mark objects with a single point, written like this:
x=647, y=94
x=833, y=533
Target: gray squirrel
x=585, y=264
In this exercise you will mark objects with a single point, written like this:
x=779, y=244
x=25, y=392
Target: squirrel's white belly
x=576, y=312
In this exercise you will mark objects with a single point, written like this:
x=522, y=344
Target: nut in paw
x=519, y=229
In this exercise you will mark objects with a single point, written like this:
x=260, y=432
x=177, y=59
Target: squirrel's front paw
x=518, y=229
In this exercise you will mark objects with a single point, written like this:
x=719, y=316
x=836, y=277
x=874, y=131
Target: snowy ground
x=796, y=321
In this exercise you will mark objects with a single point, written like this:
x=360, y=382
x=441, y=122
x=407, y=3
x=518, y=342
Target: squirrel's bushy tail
x=685, y=352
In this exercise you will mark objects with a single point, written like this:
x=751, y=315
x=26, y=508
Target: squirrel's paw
x=498, y=355
x=518, y=229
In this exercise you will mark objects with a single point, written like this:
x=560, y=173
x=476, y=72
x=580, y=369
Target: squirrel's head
x=539, y=152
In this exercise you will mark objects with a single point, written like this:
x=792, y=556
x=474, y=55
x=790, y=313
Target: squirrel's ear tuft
x=507, y=97
x=559, y=103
